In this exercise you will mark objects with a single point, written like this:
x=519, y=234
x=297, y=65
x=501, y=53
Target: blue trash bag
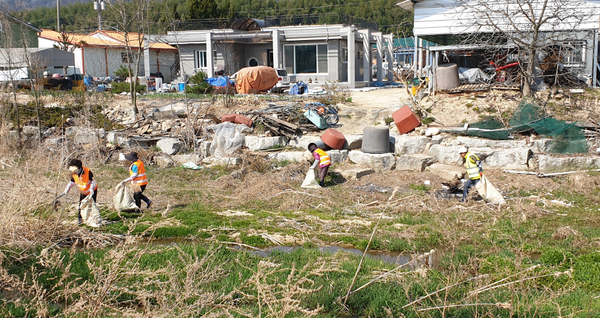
x=219, y=81
x=298, y=88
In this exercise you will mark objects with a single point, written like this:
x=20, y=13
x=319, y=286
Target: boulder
x=163, y=161
x=160, y=116
x=549, y=164
x=181, y=159
x=437, y=139
x=514, y=158
x=111, y=137
x=204, y=148
x=255, y=143
x=30, y=131
x=482, y=142
x=170, y=146
x=292, y=156
x=431, y=132
x=356, y=173
x=222, y=161
x=353, y=142
x=416, y=162
x=54, y=142
x=378, y=162
x=447, y=155
x=447, y=172
x=338, y=156
x=85, y=136
x=406, y=144
x=541, y=145
x=167, y=125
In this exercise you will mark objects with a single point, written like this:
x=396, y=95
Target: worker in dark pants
x=322, y=160
x=474, y=170
x=84, y=179
x=139, y=180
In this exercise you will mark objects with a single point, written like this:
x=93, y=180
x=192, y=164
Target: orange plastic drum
x=405, y=119
x=333, y=138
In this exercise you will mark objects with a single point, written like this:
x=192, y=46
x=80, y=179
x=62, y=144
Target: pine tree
x=203, y=9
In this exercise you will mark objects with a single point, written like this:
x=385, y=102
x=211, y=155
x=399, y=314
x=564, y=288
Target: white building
x=101, y=53
x=316, y=52
x=449, y=23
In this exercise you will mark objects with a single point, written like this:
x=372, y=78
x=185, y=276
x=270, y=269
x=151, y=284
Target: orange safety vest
x=83, y=181
x=141, y=178
x=325, y=160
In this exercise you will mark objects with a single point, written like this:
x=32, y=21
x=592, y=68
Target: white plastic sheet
x=228, y=138
x=123, y=199
x=90, y=212
x=310, y=182
x=488, y=192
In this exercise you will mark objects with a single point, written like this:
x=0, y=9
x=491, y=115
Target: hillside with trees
x=81, y=17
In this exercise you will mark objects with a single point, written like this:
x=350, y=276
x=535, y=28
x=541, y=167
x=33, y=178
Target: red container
x=228, y=117
x=333, y=139
x=405, y=119
x=239, y=119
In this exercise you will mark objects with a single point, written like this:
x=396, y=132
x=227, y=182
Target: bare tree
x=132, y=18
x=527, y=26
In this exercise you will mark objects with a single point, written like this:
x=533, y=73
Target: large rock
x=222, y=161
x=292, y=156
x=181, y=159
x=338, y=156
x=406, y=144
x=356, y=173
x=447, y=172
x=170, y=146
x=482, y=142
x=255, y=143
x=353, y=142
x=447, y=155
x=163, y=161
x=85, y=136
x=514, y=158
x=378, y=162
x=416, y=162
x=541, y=145
x=548, y=164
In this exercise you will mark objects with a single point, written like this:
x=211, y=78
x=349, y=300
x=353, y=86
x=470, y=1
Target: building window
x=305, y=59
x=126, y=57
x=573, y=53
x=200, y=59
x=252, y=62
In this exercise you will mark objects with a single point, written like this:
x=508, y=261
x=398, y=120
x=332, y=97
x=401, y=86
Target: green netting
x=566, y=137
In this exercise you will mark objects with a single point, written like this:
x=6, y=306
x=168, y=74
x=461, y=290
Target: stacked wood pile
x=282, y=120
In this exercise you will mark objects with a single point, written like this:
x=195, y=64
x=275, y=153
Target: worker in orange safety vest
x=322, y=160
x=84, y=179
x=139, y=180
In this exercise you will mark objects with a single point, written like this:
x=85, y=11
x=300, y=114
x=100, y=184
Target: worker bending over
x=474, y=170
x=84, y=179
x=322, y=159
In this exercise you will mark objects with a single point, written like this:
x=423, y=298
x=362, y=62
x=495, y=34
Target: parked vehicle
x=283, y=81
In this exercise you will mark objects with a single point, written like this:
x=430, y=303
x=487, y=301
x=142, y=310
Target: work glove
x=314, y=165
x=65, y=193
x=91, y=191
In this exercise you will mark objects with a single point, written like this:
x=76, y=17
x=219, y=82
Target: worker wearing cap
x=474, y=170
x=84, y=179
x=322, y=160
x=138, y=178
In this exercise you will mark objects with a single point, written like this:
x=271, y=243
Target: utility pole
x=58, y=15
x=99, y=6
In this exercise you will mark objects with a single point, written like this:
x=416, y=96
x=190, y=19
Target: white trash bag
x=488, y=192
x=90, y=212
x=228, y=138
x=310, y=182
x=123, y=199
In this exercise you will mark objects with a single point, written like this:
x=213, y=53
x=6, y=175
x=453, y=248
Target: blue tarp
x=220, y=81
x=298, y=89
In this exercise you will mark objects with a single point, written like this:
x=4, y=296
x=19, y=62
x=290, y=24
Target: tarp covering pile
x=566, y=137
x=254, y=79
